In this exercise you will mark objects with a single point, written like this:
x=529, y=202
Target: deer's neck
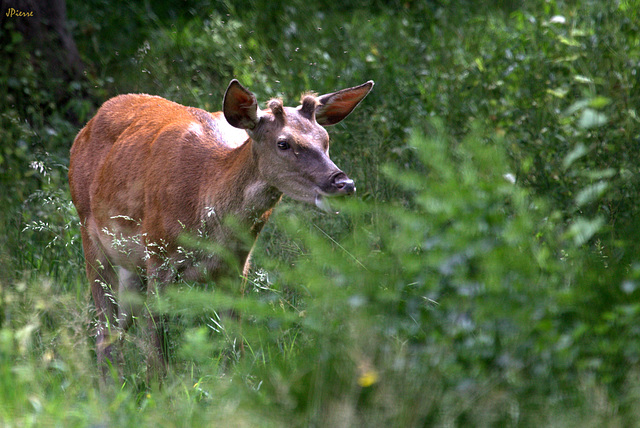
x=237, y=190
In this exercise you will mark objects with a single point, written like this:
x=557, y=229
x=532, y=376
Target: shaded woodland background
x=485, y=274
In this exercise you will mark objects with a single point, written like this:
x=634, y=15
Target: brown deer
x=144, y=171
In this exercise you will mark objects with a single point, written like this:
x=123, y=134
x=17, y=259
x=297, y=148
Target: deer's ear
x=334, y=107
x=240, y=106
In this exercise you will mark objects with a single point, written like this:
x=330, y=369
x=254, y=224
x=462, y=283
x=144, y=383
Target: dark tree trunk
x=43, y=24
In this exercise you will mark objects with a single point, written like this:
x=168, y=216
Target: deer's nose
x=343, y=184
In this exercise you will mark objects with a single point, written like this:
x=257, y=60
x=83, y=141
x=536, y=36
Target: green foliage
x=486, y=273
x=396, y=304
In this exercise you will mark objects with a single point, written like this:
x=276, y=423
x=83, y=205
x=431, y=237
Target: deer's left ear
x=334, y=107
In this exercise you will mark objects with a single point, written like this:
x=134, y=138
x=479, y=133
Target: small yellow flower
x=368, y=378
x=48, y=356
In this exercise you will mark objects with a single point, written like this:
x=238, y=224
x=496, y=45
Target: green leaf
x=575, y=154
x=578, y=105
x=599, y=102
x=558, y=93
x=591, y=119
x=600, y=174
x=582, y=79
x=568, y=42
x=583, y=229
x=591, y=193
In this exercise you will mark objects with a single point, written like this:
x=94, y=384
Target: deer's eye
x=283, y=145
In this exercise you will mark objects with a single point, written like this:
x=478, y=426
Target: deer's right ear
x=240, y=106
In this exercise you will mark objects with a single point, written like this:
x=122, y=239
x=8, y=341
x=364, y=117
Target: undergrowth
x=485, y=274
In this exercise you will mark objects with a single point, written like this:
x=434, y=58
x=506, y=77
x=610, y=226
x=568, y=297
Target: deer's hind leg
x=103, y=280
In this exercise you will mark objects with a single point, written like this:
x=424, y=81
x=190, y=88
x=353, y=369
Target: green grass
x=442, y=295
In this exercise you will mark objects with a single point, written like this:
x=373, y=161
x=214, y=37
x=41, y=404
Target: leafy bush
x=486, y=274
x=396, y=304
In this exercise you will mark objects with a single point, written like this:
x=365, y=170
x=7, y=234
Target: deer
x=145, y=171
